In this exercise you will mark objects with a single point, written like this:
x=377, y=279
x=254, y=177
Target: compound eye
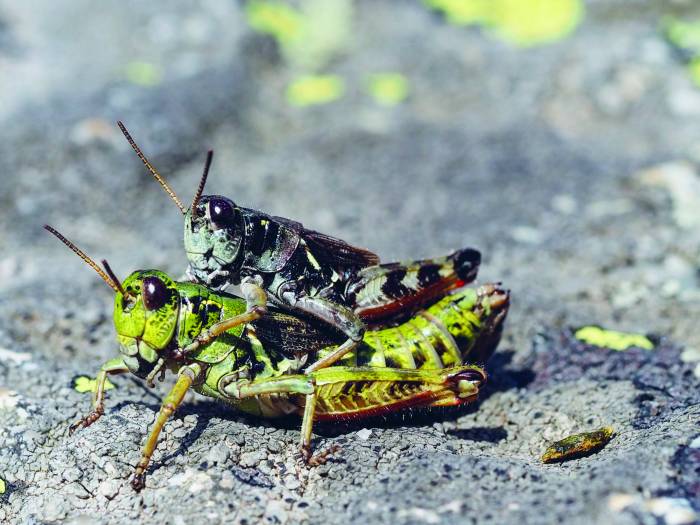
x=155, y=293
x=220, y=211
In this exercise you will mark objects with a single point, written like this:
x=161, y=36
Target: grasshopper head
x=146, y=307
x=213, y=235
x=213, y=227
x=145, y=317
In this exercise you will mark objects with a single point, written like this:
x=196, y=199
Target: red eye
x=155, y=293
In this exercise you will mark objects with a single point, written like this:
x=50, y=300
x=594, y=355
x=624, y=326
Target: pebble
x=251, y=459
x=526, y=235
x=364, y=434
x=109, y=488
x=682, y=182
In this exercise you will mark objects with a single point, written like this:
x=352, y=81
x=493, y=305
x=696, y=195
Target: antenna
x=150, y=168
x=202, y=182
x=84, y=257
x=113, y=276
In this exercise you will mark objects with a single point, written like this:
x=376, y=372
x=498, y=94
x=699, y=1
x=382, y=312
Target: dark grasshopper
x=258, y=367
x=277, y=260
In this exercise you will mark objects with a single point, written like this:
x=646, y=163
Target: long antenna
x=150, y=168
x=84, y=257
x=113, y=276
x=202, y=182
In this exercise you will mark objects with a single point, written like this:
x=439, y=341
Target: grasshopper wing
x=336, y=252
x=291, y=335
x=331, y=250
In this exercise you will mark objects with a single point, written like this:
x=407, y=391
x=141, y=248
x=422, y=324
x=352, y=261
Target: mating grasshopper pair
x=290, y=357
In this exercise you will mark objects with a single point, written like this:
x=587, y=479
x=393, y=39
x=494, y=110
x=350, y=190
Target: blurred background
x=559, y=137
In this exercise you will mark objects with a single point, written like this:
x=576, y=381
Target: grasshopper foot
x=86, y=421
x=316, y=460
x=138, y=481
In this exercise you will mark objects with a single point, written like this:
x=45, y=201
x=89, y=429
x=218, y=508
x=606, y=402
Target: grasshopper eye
x=220, y=211
x=155, y=293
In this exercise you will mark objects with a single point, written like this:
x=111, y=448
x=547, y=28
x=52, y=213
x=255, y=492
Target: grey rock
x=535, y=156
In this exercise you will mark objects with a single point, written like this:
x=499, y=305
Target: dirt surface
x=574, y=167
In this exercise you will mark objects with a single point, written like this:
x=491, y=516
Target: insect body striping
x=439, y=337
x=219, y=349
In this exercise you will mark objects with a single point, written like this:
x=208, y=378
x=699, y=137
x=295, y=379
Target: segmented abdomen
x=439, y=337
x=384, y=291
x=367, y=398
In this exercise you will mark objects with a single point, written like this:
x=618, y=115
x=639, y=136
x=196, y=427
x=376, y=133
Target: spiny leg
x=295, y=384
x=256, y=306
x=334, y=314
x=343, y=319
x=111, y=367
x=307, y=426
x=306, y=431
x=171, y=402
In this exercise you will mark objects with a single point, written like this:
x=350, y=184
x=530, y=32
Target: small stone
x=275, y=509
x=364, y=434
x=218, y=455
x=251, y=459
x=527, y=235
x=109, y=488
x=72, y=474
x=674, y=511
x=682, y=182
x=227, y=481
x=564, y=204
x=292, y=482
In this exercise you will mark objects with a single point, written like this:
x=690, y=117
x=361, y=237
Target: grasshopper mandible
x=259, y=366
x=277, y=260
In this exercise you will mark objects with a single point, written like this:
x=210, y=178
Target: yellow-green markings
x=143, y=73
x=277, y=19
x=3, y=486
x=620, y=341
x=315, y=89
x=388, y=89
x=685, y=36
x=85, y=384
x=523, y=23
x=308, y=36
x=682, y=34
x=578, y=445
x=694, y=70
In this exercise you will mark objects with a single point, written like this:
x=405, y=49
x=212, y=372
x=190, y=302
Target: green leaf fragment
x=388, y=89
x=308, y=36
x=620, y=341
x=143, y=74
x=578, y=445
x=315, y=89
x=85, y=384
x=684, y=35
x=274, y=18
x=523, y=23
x=694, y=70
x=463, y=12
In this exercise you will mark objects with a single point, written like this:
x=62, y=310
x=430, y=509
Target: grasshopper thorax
x=145, y=318
x=214, y=234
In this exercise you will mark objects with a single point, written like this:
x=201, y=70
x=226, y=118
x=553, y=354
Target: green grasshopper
x=259, y=367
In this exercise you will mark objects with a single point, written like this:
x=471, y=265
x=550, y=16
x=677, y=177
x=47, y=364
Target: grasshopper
x=258, y=367
x=277, y=260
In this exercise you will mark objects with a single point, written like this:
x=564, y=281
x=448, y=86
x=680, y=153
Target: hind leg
x=336, y=315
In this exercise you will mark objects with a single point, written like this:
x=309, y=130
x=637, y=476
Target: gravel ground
x=574, y=167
